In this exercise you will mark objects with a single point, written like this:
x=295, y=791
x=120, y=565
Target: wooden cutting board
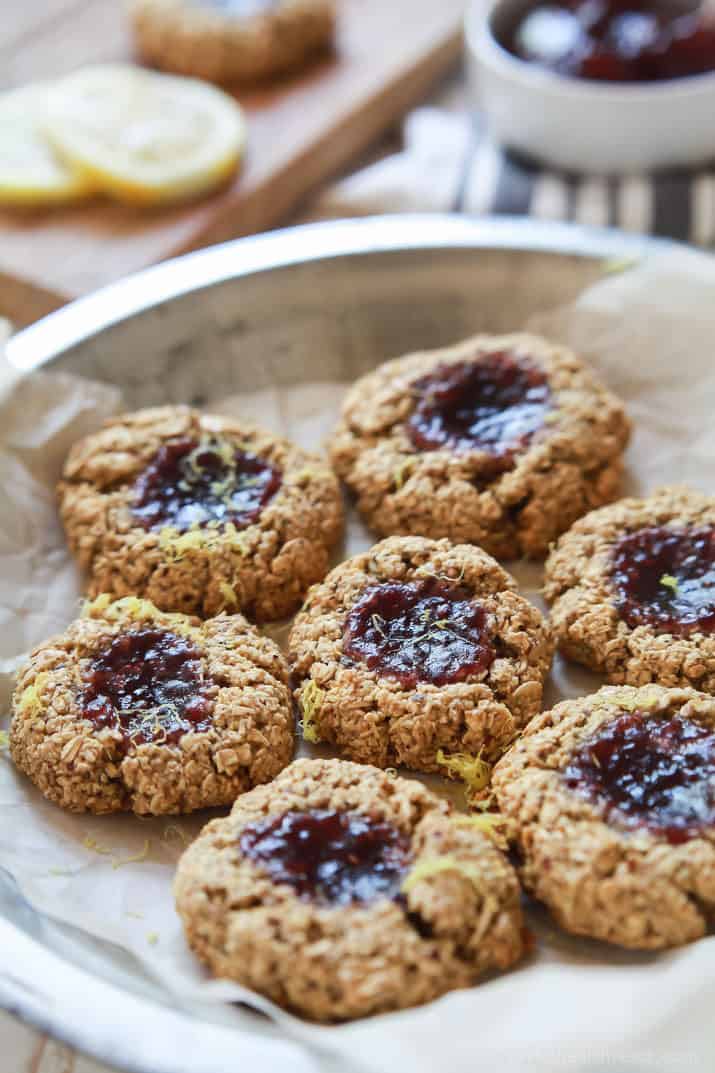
x=300, y=133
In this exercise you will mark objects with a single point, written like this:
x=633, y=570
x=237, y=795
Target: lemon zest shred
x=134, y=915
x=29, y=702
x=229, y=596
x=645, y=698
x=217, y=445
x=311, y=699
x=492, y=824
x=178, y=545
x=424, y=571
x=402, y=471
x=97, y=606
x=670, y=582
x=173, y=831
x=152, y=938
x=472, y=770
x=433, y=866
x=137, y=609
x=613, y=266
x=4, y=741
x=137, y=858
x=237, y=539
x=307, y=473
x=95, y=847
x=59, y=872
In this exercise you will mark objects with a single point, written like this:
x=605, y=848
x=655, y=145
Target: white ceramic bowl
x=580, y=125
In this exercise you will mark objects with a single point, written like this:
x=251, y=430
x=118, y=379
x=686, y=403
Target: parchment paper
x=576, y=1005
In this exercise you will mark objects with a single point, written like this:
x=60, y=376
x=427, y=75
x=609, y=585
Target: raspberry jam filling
x=665, y=579
x=149, y=685
x=615, y=40
x=189, y=483
x=329, y=857
x=650, y=771
x=419, y=631
x=494, y=405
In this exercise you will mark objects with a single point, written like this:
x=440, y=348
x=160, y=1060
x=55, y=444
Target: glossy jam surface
x=665, y=579
x=615, y=40
x=651, y=771
x=419, y=631
x=188, y=483
x=148, y=685
x=494, y=405
x=334, y=858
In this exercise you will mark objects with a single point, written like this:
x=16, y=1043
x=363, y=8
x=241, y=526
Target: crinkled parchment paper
x=576, y=1005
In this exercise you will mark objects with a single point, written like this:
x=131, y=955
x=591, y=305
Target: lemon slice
x=143, y=137
x=31, y=173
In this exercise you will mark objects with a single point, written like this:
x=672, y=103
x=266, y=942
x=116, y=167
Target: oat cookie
x=419, y=653
x=633, y=590
x=131, y=709
x=613, y=800
x=231, y=40
x=199, y=514
x=500, y=441
x=339, y=891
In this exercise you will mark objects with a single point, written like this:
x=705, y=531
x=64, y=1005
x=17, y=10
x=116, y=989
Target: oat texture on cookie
x=133, y=709
x=339, y=891
x=419, y=653
x=199, y=514
x=632, y=589
x=501, y=441
x=231, y=40
x=612, y=801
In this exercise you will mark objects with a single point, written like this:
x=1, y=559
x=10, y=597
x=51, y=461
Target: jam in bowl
x=614, y=40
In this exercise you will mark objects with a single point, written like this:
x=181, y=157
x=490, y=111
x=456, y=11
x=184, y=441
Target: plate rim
x=36, y=346
x=85, y=317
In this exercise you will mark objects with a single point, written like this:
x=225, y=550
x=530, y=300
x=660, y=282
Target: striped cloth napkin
x=448, y=163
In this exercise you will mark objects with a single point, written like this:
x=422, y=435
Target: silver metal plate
x=340, y=297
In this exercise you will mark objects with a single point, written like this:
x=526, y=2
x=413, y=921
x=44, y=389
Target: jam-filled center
x=419, y=631
x=652, y=771
x=494, y=405
x=330, y=857
x=148, y=685
x=616, y=40
x=665, y=579
x=196, y=483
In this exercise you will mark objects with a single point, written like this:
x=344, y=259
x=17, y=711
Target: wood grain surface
x=300, y=132
x=23, y=1050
